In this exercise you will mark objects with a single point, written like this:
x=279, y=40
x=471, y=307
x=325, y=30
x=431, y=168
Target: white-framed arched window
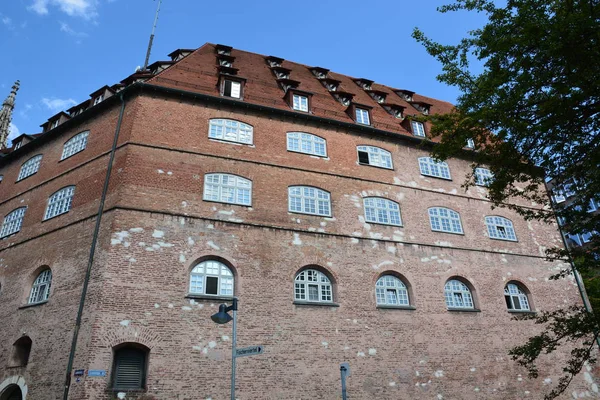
x=227, y=188
x=211, y=278
x=314, y=286
x=12, y=222
x=30, y=167
x=516, y=298
x=483, y=176
x=230, y=130
x=458, y=295
x=500, y=228
x=40, y=290
x=391, y=291
x=60, y=202
x=444, y=220
x=309, y=200
x=371, y=155
x=382, y=211
x=431, y=167
x=302, y=142
x=76, y=144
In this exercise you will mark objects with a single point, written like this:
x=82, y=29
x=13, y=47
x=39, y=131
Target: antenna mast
x=151, y=37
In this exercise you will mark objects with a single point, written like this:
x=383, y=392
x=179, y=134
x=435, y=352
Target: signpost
x=248, y=351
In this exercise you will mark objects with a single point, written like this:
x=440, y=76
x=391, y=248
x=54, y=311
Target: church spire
x=6, y=115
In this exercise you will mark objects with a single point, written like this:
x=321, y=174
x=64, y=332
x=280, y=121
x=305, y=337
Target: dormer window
x=231, y=88
x=18, y=145
x=274, y=62
x=298, y=100
x=225, y=62
x=364, y=83
x=54, y=124
x=300, y=103
x=377, y=95
x=320, y=73
x=281, y=73
x=421, y=106
x=418, y=129
x=330, y=84
x=406, y=95
x=362, y=116
x=223, y=50
x=98, y=99
x=394, y=109
x=343, y=97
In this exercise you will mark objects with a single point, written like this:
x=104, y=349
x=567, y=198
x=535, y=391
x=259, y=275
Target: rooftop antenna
x=151, y=37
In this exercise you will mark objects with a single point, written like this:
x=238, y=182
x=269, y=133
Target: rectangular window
x=306, y=143
x=362, y=116
x=98, y=99
x=300, y=103
x=232, y=89
x=418, y=128
x=212, y=283
x=54, y=124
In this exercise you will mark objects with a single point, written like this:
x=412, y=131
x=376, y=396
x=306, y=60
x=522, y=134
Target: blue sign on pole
x=97, y=372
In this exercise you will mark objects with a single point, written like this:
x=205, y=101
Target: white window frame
x=442, y=219
x=309, y=200
x=40, y=290
x=75, y=145
x=228, y=188
x=12, y=222
x=30, y=167
x=215, y=270
x=362, y=116
x=483, y=176
x=230, y=130
x=513, y=292
x=458, y=295
x=236, y=89
x=306, y=143
x=391, y=291
x=377, y=156
x=60, y=202
x=308, y=279
x=300, y=102
x=470, y=143
x=437, y=169
x=500, y=228
x=54, y=124
x=379, y=210
x=418, y=128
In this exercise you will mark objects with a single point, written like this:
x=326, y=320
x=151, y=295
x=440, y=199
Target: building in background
x=307, y=194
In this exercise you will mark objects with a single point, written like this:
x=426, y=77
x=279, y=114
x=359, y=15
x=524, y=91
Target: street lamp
x=222, y=317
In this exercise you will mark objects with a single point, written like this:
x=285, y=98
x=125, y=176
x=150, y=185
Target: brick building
x=305, y=193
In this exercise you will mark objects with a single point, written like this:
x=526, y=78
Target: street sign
x=96, y=372
x=248, y=351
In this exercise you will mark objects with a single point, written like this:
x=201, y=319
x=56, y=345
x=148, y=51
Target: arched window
x=370, y=155
x=516, y=298
x=21, y=351
x=130, y=364
x=382, y=211
x=12, y=392
x=12, y=222
x=226, y=188
x=306, y=143
x=30, y=167
x=211, y=278
x=483, y=176
x=230, y=130
x=74, y=145
x=458, y=295
x=500, y=228
x=60, y=202
x=391, y=291
x=431, y=167
x=309, y=200
x=444, y=220
x=40, y=291
x=314, y=286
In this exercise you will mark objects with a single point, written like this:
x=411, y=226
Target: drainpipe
x=88, y=272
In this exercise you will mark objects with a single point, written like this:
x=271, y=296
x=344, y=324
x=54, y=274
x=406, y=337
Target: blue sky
x=63, y=50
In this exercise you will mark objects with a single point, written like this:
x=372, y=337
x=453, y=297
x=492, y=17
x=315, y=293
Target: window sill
x=468, y=310
x=392, y=307
x=521, y=312
x=308, y=154
x=55, y=216
x=231, y=142
x=437, y=177
x=33, y=305
x=383, y=224
x=504, y=240
x=208, y=297
x=224, y=202
x=311, y=303
x=451, y=233
x=314, y=215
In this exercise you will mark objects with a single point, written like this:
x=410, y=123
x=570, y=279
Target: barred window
x=500, y=228
x=431, y=167
x=40, y=291
x=227, y=188
x=306, y=143
x=483, y=176
x=312, y=285
x=309, y=200
x=516, y=299
x=30, y=167
x=391, y=291
x=230, y=130
x=211, y=278
x=458, y=295
x=376, y=156
x=382, y=211
x=418, y=128
x=12, y=222
x=60, y=202
x=445, y=220
x=74, y=145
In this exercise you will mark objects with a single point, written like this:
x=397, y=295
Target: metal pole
x=151, y=37
x=233, y=348
x=343, y=373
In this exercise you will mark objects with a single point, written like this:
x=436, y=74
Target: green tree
x=530, y=99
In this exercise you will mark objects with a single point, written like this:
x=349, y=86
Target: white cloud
x=74, y=8
x=14, y=132
x=56, y=105
x=7, y=21
x=64, y=27
x=24, y=112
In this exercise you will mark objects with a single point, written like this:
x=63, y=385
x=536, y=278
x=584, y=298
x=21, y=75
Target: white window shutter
x=235, y=89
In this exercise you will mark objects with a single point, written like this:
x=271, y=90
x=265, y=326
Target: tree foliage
x=533, y=111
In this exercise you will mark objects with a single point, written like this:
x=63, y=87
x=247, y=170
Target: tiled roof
x=199, y=72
